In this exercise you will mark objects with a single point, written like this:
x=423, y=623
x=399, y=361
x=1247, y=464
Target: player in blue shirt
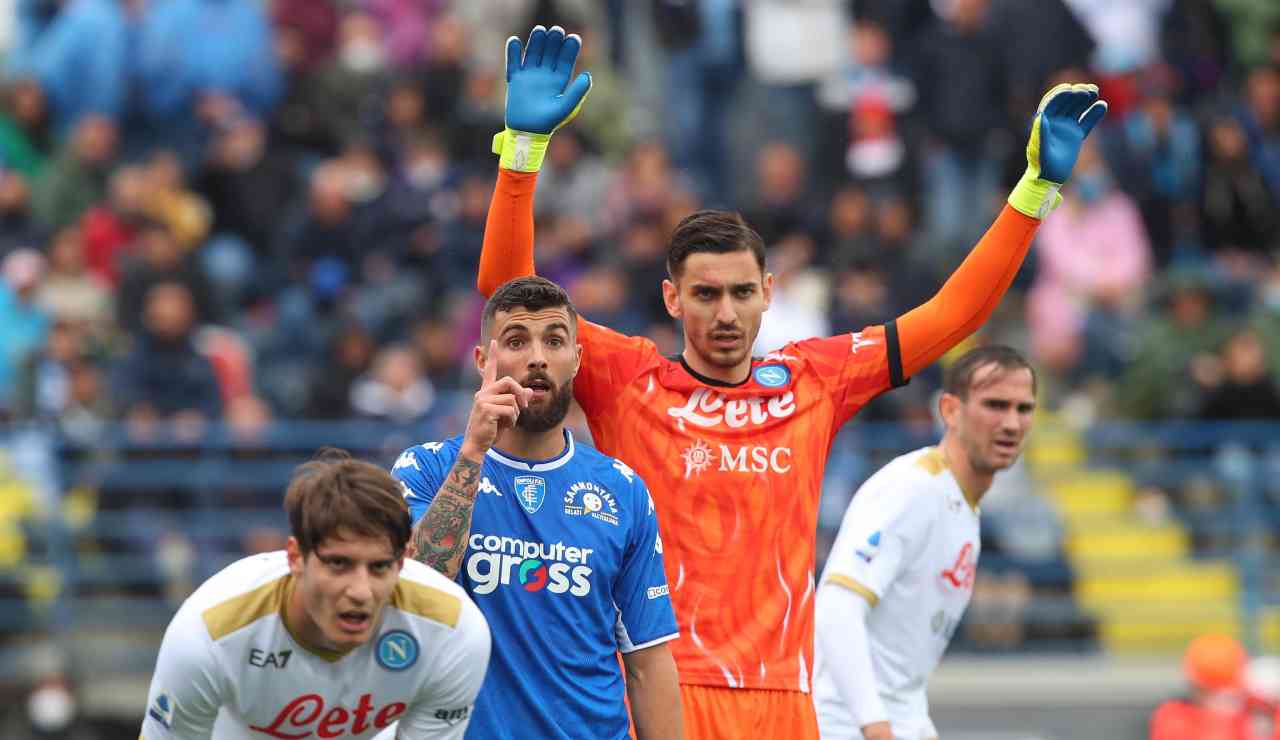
x=556, y=543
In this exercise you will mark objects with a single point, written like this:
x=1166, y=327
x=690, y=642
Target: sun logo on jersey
x=697, y=457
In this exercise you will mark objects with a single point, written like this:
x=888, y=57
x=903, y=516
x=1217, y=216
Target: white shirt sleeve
x=846, y=649
x=186, y=688
x=444, y=705
x=884, y=530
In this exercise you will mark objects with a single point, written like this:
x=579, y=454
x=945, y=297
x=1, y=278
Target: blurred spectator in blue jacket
x=23, y=324
x=81, y=59
x=203, y=63
x=1156, y=158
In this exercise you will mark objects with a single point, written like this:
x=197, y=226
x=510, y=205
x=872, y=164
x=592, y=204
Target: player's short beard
x=550, y=415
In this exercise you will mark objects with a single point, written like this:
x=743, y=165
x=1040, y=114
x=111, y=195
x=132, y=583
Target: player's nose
x=360, y=588
x=725, y=311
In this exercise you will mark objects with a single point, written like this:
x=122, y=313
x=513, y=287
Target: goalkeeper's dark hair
x=336, y=495
x=531, y=293
x=718, y=232
x=959, y=377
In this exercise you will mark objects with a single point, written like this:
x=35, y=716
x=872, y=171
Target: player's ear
x=479, y=358
x=949, y=408
x=671, y=297
x=293, y=551
x=767, y=289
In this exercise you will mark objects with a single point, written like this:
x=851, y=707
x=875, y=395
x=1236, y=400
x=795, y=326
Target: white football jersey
x=230, y=669
x=910, y=538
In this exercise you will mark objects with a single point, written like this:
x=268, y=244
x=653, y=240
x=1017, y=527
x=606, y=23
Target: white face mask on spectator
x=363, y=56
x=51, y=708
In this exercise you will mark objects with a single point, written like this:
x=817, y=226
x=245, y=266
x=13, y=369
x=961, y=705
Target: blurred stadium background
x=234, y=231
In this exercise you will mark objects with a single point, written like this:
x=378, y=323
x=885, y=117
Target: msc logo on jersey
x=397, y=650
x=530, y=492
x=699, y=457
x=869, y=551
x=772, y=376
x=594, y=502
x=162, y=710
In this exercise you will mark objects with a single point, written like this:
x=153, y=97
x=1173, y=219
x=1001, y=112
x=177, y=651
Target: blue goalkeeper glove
x=1066, y=115
x=540, y=98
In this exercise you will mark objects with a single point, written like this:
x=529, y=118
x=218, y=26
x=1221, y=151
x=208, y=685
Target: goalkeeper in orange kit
x=734, y=446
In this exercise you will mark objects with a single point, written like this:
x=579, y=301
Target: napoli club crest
x=530, y=492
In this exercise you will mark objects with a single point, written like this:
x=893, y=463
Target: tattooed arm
x=440, y=536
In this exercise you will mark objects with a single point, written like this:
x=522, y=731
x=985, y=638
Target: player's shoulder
x=423, y=453
x=909, y=476
x=248, y=590
x=429, y=598
x=605, y=468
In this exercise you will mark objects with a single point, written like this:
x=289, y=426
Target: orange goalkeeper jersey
x=736, y=473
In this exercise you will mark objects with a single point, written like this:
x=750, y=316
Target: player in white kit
x=901, y=570
x=338, y=636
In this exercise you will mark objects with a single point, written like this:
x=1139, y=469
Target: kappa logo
x=625, y=471
x=531, y=490
x=707, y=408
x=486, y=486
x=407, y=460
x=587, y=498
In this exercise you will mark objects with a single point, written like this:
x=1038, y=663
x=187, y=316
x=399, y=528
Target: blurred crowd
x=215, y=209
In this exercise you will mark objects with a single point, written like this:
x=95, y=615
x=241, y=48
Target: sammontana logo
x=585, y=497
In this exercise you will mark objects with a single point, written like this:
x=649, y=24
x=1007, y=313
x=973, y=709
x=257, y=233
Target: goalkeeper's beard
x=551, y=414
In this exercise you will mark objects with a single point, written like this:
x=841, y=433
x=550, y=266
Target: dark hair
x=532, y=293
x=336, y=492
x=959, y=377
x=712, y=231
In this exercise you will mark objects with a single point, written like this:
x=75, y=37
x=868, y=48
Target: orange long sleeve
x=508, y=231
x=969, y=296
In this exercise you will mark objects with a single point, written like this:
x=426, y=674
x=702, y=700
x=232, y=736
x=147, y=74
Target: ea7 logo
x=452, y=717
x=265, y=659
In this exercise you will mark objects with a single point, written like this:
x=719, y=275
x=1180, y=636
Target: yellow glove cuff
x=520, y=151
x=1035, y=197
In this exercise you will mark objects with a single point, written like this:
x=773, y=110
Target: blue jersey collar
x=519, y=463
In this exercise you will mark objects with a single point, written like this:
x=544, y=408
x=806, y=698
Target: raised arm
x=1066, y=115
x=540, y=99
x=440, y=536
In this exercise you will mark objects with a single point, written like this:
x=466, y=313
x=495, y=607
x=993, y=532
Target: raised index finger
x=490, y=373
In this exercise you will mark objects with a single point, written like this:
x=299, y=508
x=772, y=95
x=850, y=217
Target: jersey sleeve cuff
x=893, y=353
x=632, y=648
x=840, y=579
